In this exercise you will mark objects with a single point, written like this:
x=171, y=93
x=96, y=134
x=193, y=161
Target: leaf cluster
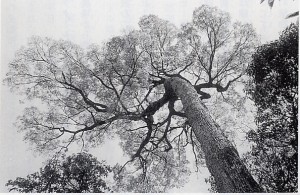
x=78, y=173
x=274, y=89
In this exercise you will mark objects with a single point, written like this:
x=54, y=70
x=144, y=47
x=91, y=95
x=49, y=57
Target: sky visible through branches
x=88, y=22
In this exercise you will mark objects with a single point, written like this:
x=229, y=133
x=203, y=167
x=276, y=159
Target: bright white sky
x=92, y=21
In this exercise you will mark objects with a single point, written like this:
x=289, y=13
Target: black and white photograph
x=149, y=96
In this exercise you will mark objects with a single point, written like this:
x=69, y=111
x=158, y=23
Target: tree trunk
x=222, y=159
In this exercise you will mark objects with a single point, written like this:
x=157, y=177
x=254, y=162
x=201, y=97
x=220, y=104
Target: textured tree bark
x=222, y=159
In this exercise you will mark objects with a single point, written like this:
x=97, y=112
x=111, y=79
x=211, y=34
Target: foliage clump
x=274, y=89
x=78, y=173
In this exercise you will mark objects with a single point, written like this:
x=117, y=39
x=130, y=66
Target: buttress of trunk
x=222, y=159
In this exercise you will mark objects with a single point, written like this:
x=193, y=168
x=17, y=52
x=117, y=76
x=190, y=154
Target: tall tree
x=274, y=89
x=78, y=173
x=148, y=87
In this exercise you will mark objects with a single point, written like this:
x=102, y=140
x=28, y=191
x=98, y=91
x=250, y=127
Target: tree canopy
x=78, y=173
x=119, y=89
x=274, y=89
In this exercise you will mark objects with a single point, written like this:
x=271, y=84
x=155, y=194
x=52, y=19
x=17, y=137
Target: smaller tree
x=79, y=173
x=274, y=89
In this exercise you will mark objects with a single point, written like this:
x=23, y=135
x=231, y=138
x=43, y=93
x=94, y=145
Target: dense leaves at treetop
x=274, y=89
x=78, y=173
